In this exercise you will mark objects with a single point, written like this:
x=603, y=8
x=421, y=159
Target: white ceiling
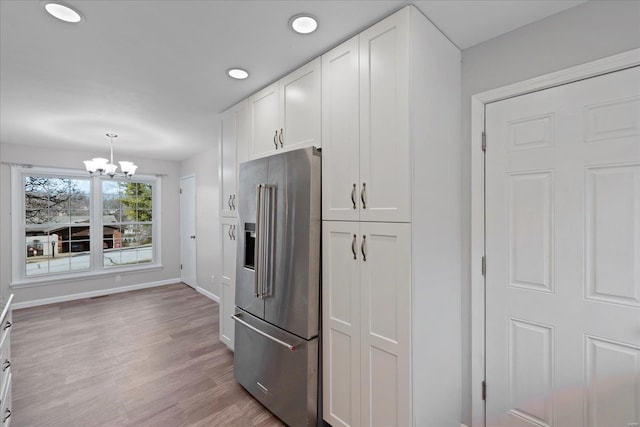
x=153, y=71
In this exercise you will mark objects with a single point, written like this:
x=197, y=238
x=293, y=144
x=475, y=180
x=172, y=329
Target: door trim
x=591, y=69
x=195, y=223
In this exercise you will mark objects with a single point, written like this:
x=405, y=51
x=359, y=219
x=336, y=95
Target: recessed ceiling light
x=303, y=23
x=237, y=73
x=62, y=12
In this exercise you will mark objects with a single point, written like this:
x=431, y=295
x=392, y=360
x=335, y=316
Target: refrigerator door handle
x=268, y=239
x=258, y=249
x=291, y=347
x=264, y=240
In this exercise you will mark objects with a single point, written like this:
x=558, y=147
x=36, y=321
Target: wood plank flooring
x=143, y=358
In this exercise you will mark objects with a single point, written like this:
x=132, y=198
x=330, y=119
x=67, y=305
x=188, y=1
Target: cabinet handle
x=229, y=202
x=7, y=326
x=363, y=194
x=353, y=196
x=233, y=202
x=274, y=140
x=363, y=248
x=8, y=412
x=281, y=138
x=6, y=365
x=353, y=247
x=229, y=232
x=233, y=232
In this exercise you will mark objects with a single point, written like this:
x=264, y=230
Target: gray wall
x=205, y=168
x=590, y=31
x=39, y=156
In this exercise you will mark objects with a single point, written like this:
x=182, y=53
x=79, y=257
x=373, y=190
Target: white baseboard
x=208, y=294
x=98, y=293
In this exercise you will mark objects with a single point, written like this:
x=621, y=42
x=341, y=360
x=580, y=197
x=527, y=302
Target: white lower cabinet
x=366, y=323
x=229, y=235
x=6, y=324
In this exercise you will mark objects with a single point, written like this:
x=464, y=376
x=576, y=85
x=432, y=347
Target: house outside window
x=70, y=225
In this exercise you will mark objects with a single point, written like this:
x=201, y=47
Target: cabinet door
x=228, y=162
x=385, y=167
x=341, y=133
x=300, y=107
x=341, y=323
x=243, y=133
x=385, y=286
x=227, y=283
x=265, y=121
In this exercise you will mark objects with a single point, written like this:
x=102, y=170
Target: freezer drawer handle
x=291, y=347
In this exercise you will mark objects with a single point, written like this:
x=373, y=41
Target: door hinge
x=484, y=390
x=181, y=191
x=484, y=141
x=180, y=266
x=484, y=265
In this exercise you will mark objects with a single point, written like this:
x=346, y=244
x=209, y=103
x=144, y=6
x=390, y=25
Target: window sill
x=49, y=280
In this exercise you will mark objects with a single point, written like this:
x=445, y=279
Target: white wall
x=38, y=156
x=205, y=168
x=590, y=31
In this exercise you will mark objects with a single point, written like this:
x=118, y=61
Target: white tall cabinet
x=233, y=150
x=391, y=226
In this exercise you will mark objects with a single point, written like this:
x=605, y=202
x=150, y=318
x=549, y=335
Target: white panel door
x=341, y=133
x=341, y=260
x=228, y=161
x=188, y=230
x=563, y=255
x=300, y=108
x=229, y=234
x=385, y=164
x=385, y=304
x=265, y=121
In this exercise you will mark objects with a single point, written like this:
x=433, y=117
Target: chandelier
x=103, y=166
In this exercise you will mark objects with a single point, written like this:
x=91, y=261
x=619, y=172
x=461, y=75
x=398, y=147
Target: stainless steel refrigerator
x=278, y=283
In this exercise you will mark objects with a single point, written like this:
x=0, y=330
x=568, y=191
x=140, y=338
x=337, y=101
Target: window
x=57, y=223
x=127, y=223
x=72, y=225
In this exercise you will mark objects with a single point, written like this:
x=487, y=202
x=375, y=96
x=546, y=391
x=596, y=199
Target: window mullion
x=96, y=224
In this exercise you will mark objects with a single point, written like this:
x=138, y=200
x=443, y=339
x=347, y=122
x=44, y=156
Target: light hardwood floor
x=143, y=358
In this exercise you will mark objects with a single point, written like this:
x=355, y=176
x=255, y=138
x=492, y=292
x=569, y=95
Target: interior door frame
x=591, y=69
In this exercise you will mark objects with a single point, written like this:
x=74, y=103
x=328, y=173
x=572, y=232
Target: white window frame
x=96, y=269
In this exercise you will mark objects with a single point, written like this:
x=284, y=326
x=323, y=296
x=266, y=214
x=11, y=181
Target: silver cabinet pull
x=363, y=195
x=193, y=237
x=353, y=247
x=233, y=202
x=229, y=232
x=233, y=232
x=229, y=202
x=353, y=196
x=275, y=142
x=6, y=365
x=6, y=417
x=363, y=248
x=281, y=138
x=291, y=347
x=7, y=325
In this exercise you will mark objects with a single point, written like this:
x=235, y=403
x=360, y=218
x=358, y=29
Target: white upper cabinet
x=286, y=115
x=265, y=113
x=233, y=131
x=365, y=118
x=341, y=132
